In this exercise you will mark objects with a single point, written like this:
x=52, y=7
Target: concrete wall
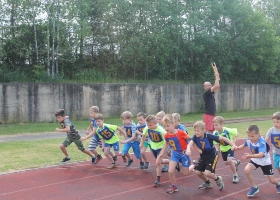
x=31, y=102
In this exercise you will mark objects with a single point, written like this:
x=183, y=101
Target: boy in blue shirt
x=206, y=165
x=260, y=157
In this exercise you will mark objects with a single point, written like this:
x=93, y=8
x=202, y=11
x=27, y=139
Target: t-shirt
x=182, y=127
x=67, y=122
x=229, y=133
x=177, y=141
x=206, y=145
x=274, y=135
x=130, y=131
x=260, y=146
x=209, y=101
x=140, y=128
x=107, y=132
x=93, y=124
x=156, y=137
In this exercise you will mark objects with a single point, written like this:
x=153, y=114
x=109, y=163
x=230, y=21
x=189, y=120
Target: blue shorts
x=115, y=145
x=276, y=161
x=182, y=158
x=227, y=154
x=135, y=147
x=156, y=152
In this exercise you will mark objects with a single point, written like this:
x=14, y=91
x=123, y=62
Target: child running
x=72, y=136
x=108, y=138
x=131, y=141
x=274, y=135
x=91, y=132
x=225, y=148
x=260, y=157
x=141, y=118
x=206, y=165
x=156, y=136
x=176, y=139
x=178, y=124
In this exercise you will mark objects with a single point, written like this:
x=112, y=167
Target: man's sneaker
x=253, y=191
x=115, y=159
x=205, y=185
x=141, y=165
x=99, y=157
x=220, y=183
x=113, y=165
x=93, y=159
x=146, y=165
x=172, y=189
x=278, y=189
x=124, y=159
x=237, y=164
x=178, y=167
x=235, y=179
x=157, y=183
x=129, y=162
x=164, y=168
x=66, y=159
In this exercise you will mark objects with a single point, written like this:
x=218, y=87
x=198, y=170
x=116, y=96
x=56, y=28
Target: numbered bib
x=174, y=143
x=275, y=140
x=106, y=133
x=155, y=136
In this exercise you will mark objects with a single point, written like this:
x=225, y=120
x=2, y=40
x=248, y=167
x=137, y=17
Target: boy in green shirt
x=227, y=153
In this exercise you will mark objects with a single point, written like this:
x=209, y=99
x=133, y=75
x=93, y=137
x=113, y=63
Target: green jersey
x=107, y=132
x=229, y=133
x=156, y=137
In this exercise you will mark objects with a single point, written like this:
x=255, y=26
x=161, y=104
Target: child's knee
x=61, y=146
x=207, y=173
x=198, y=172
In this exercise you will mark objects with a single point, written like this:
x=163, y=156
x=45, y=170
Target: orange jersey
x=177, y=141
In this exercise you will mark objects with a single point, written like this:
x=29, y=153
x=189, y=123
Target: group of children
x=170, y=144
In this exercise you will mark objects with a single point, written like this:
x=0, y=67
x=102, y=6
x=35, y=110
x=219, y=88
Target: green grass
x=9, y=129
x=40, y=153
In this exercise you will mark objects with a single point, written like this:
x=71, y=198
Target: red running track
x=87, y=181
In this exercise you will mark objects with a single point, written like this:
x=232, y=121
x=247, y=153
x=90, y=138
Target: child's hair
x=160, y=114
x=151, y=118
x=176, y=116
x=126, y=115
x=99, y=117
x=168, y=118
x=144, y=115
x=94, y=109
x=276, y=116
x=253, y=129
x=219, y=120
x=60, y=112
x=199, y=124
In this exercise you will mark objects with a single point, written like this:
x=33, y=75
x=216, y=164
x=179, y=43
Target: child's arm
x=89, y=135
x=122, y=132
x=142, y=142
x=139, y=133
x=103, y=144
x=233, y=147
x=188, y=152
x=66, y=129
x=248, y=155
x=163, y=150
x=241, y=147
x=88, y=129
x=197, y=148
x=129, y=140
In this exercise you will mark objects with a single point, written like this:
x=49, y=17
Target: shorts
x=135, y=147
x=227, y=154
x=156, y=152
x=207, y=164
x=182, y=158
x=115, y=145
x=208, y=120
x=93, y=144
x=276, y=161
x=76, y=139
x=147, y=144
x=267, y=169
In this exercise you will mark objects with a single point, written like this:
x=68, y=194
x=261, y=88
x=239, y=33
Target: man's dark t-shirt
x=210, y=104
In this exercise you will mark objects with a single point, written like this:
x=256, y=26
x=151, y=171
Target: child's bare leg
x=88, y=153
x=273, y=180
x=217, y=146
x=94, y=152
x=171, y=171
x=231, y=164
x=112, y=154
x=209, y=174
x=248, y=172
x=64, y=150
x=107, y=154
x=279, y=170
x=128, y=156
x=143, y=154
x=201, y=175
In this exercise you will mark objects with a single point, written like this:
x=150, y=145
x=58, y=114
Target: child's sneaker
x=93, y=159
x=129, y=162
x=205, y=185
x=278, y=189
x=195, y=164
x=172, y=189
x=113, y=165
x=115, y=159
x=99, y=157
x=235, y=179
x=237, y=164
x=124, y=159
x=157, y=183
x=141, y=165
x=220, y=183
x=66, y=159
x=146, y=165
x=164, y=168
x=253, y=191
x=178, y=167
